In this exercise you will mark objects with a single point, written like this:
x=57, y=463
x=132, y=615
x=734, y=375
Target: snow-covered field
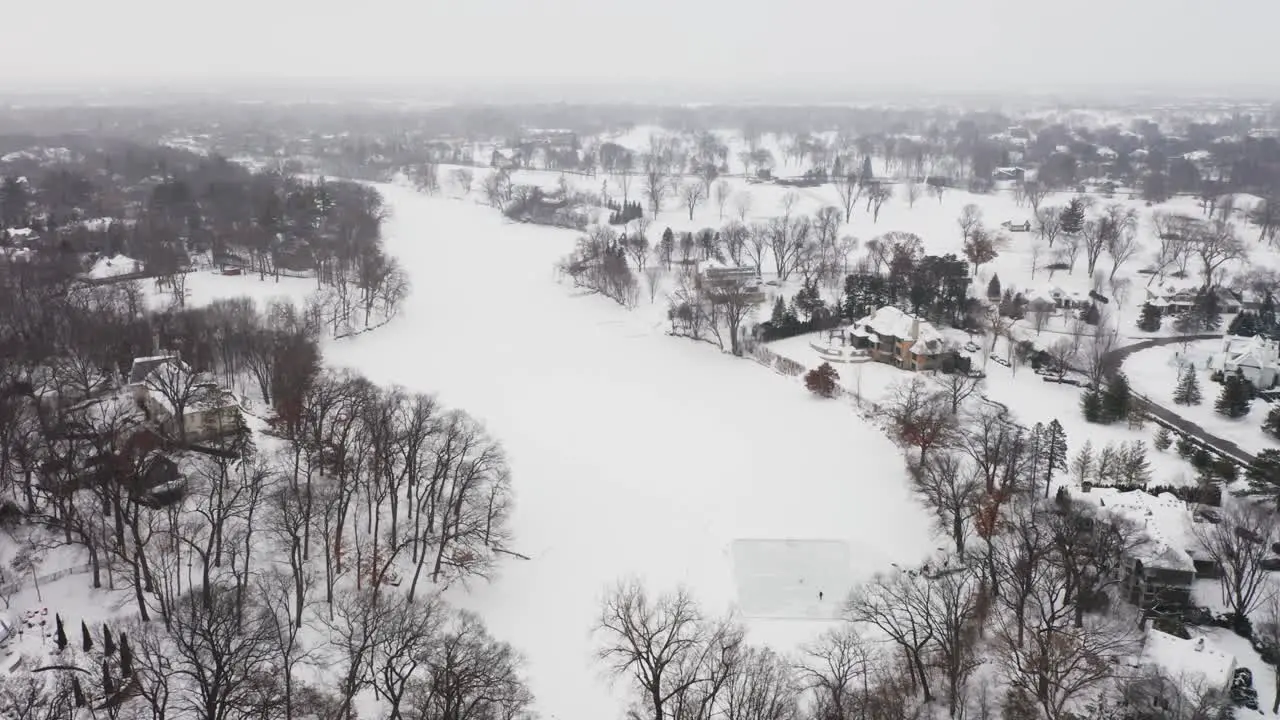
x=633, y=453
x=1155, y=372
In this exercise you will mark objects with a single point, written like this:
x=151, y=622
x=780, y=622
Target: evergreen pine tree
x=667, y=247
x=1091, y=405
x=993, y=288
x=1267, y=314
x=1135, y=468
x=60, y=635
x=1072, y=217
x=1234, y=400
x=1272, y=424
x=1243, y=325
x=779, y=314
x=1092, y=314
x=1201, y=459
x=1082, y=463
x=1188, y=390
x=1149, y=321
x=867, y=175
x=1226, y=470
x=1035, y=441
x=1211, y=313
x=1264, y=473
x=87, y=640
x=1054, y=449
x=108, y=642
x=126, y=656
x=108, y=685
x=1163, y=439
x=77, y=692
x=1186, y=448
x=1116, y=399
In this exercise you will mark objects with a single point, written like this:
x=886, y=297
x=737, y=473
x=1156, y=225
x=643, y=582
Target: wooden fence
x=13, y=587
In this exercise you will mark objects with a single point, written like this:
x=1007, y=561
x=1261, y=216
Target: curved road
x=1115, y=359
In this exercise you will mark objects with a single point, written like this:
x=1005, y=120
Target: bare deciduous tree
x=850, y=189
x=722, y=191
x=222, y=658
x=651, y=642
x=1238, y=546
x=1057, y=667
x=912, y=191
x=878, y=196
x=951, y=489
x=656, y=181
x=692, y=194
x=1216, y=243
x=742, y=202
x=836, y=668
x=970, y=218
x=463, y=178
x=899, y=604
x=1049, y=223
x=735, y=302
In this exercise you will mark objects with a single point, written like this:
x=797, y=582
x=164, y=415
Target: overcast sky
x=957, y=45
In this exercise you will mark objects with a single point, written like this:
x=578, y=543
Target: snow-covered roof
x=890, y=321
x=144, y=366
x=1191, y=663
x=1164, y=520
x=114, y=266
x=1257, y=352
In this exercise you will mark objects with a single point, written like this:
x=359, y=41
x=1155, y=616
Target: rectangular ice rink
x=781, y=579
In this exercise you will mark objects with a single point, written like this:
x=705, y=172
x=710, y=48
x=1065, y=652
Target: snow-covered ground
x=1029, y=398
x=206, y=286
x=637, y=453
x=109, y=267
x=1155, y=372
x=633, y=453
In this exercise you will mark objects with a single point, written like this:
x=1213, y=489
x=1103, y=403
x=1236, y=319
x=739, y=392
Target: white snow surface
x=633, y=453
x=1195, y=662
x=1155, y=373
x=108, y=267
x=792, y=579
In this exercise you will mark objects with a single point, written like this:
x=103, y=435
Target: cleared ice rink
x=781, y=579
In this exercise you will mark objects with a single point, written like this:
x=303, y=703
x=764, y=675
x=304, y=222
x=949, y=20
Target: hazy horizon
x=557, y=48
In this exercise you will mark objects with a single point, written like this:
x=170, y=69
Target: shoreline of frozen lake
x=632, y=453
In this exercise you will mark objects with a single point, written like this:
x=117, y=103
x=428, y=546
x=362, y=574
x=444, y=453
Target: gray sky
x=957, y=45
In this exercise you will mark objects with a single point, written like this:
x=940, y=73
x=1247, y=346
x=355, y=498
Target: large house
x=208, y=411
x=1256, y=359
x=1183, y=667
x=1173, y=300
x=1159, y=572
x=892, y=336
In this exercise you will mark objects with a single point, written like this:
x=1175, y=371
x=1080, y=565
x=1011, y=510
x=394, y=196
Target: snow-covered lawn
x=1154, y=373
x=1029, y=398
x=1032, y=400
x=206, y=286
x=632, y=452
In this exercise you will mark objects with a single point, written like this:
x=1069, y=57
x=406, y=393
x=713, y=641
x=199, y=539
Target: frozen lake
x=632, y=453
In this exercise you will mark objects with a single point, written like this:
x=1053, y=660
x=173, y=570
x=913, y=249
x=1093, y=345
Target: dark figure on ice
x=819, y=596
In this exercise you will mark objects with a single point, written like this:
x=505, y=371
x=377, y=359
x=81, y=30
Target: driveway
x=1115, y=360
